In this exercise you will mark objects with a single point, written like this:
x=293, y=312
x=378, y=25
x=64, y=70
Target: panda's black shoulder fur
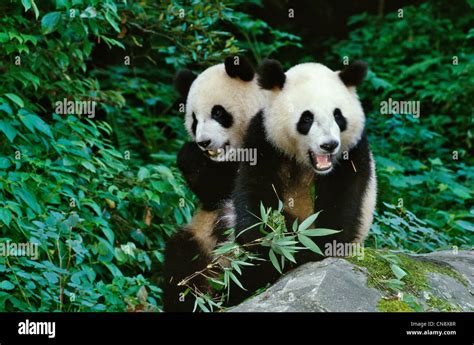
x=256, y=183
x=211, y=181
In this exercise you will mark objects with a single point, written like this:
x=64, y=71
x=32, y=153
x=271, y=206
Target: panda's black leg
x=183, y=257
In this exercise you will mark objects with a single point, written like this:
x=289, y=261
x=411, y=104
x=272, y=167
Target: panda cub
x=220, y=103
x=310, y=135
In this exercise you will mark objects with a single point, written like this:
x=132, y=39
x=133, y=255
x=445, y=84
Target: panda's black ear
x=354, y=74
x=271, y=75
x=183, y=80
x=238, y=66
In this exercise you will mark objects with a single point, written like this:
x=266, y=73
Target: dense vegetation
x=100, y=195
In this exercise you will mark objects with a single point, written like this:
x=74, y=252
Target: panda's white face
x=219, y=109
x=315, y=117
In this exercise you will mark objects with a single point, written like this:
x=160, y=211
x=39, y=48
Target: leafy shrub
x=98, y=195
x=230, y=257
x=423, y=163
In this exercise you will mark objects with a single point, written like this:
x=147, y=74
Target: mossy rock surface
x=439, y=281
x=382, y=280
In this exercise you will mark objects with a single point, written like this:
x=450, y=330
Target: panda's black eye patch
x=305, y=122
x=219, y=114
x=194, y=124
x=340, y=119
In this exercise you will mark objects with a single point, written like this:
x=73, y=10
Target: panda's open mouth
x=214, y=153
x=320, y=162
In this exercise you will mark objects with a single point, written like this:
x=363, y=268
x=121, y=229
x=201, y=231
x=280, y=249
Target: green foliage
x=65, y=188
x=424, y=163
x=229, y=257
x=99, y=195
x=259, y=38
x=79, y=187
x=398, y=228
x=403, y=281
x=284, y=243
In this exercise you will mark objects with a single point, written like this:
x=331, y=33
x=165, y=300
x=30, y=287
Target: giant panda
x=310, y=134
x=220, y=103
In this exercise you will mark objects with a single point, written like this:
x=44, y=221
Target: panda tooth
x=212, y=153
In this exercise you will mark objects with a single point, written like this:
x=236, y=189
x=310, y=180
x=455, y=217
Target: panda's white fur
x=211, y=178
x=242, y=99
x=311, y=133
x=312, y=130
x=313, y=87
x=369, y=201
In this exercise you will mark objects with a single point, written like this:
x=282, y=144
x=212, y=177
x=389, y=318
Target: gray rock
x=460, y=261
x=337, y=285
x=328, y=285
x=450, y=289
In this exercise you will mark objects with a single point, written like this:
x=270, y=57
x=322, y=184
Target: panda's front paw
x=191, y=158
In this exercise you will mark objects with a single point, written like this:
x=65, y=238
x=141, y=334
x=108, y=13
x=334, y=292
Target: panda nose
x=329, y=146
x=204, y=144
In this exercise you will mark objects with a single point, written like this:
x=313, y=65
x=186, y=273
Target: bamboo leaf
x=308, y=221
x=236, y=280
x=308, y=243
x=274, y=260
x=319, y=232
